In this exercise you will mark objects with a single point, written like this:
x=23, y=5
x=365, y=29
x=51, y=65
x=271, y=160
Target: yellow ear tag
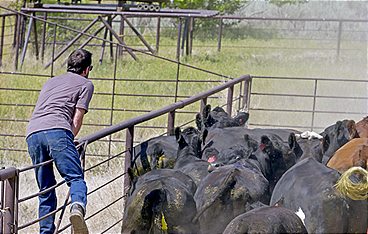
x=161, y=161
x=163, y=223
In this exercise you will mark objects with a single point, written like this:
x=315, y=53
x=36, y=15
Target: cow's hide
x=161, y=196
x=266, y=220
x=218, y=118
x=189, y=159
x=309, y=186
x=362, y=127
x=354, y=153
x=227, y=192
x=337, y=135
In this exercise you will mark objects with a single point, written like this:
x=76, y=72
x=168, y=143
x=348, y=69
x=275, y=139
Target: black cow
x=309, y=187
x=161, y=152
x=161, y=201
x=336, y=136
x=227, y=192
x=189, y=159
x=266, y=220
x=218, y=118
x=305, y=148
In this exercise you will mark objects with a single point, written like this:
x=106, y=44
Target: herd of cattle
x=221, y=177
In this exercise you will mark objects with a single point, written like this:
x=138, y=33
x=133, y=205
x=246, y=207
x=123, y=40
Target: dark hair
x=79, y=60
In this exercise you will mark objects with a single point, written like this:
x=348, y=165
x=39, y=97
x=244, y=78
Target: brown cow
x=362, y=127
x=353, y=153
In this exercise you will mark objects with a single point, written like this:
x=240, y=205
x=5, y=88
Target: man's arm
x=77, y=120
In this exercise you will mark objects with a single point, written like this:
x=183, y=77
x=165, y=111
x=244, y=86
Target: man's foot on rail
x=76, y=218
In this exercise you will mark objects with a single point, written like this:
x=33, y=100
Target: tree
x=223, y=6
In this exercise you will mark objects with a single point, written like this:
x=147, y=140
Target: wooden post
x=109, y=21
x=246, y=95
x=178, y=42
x=35, y=36
x=158, y=34
x=191, y=30
x=230, y=94
x=171, y=123
x=203, y=104
x=43, y=38
x=17, y=42
x=219, y=35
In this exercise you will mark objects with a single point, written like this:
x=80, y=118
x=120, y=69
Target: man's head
x=79, y=62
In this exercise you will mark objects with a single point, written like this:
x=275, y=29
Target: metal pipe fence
x=271, y=101
x=129, y=126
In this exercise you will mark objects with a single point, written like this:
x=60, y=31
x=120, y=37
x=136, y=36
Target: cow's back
x=353, y=153
x=309, y=185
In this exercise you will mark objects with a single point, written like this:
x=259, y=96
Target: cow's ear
x=250, y=142
x=266, y=144
x=198, y=121
x=292, y=140
x=204, y=136
x=241, y=118
x=206, y=111
x=338, y=125
x=294, y=145
x=325, y=143
x=180, y=139
x=177, y=133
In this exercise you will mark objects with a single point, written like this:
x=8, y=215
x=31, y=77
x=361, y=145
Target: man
x=55, y=122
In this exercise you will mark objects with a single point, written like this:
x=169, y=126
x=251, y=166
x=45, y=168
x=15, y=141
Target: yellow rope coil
x=355, y=191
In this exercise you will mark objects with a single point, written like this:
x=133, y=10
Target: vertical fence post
x=178, y=42
x=191, y=28
x=9, y=205
x=8, y=178
x=246, y=95
x=314, y=103
x=339, y=40
x=203, y=104
x=158, y=34
x=109, y=20
x=171, y=123
x=35, y=36
x=121, y=34
x=2, y=40
x=17, y=41
x=219, y=35
x=128, y=156
x=15, y=30
x=2, y=199
x=53, y=51
x=43, y=37
x=229, y=104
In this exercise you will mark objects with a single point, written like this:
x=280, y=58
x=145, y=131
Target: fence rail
x=266, y=102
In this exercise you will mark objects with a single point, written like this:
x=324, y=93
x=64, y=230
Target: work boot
x=77, y=219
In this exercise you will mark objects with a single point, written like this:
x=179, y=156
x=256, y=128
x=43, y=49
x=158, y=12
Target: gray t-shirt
x=58, y=100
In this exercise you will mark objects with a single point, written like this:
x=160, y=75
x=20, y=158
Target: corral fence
x=304, y=103
x=187, y=32
x=245, y=100
x=9, y=177
x=49, y=44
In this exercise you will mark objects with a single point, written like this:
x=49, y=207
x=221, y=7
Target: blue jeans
x=56, y=144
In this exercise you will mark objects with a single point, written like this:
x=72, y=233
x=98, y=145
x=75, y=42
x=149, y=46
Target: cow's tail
x=153, y=211
x=354, y=183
